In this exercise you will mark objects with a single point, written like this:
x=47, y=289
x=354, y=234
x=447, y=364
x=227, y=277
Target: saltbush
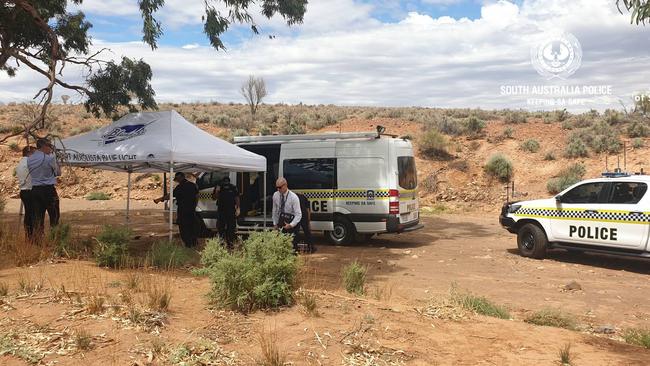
x=354, y=278
x=576, y=148
x=474, y=126
x=500, y=167
x=638, y=129
x=259, y=276
x=112, y=248
x=530, y=145
x=433, y=144
x=449, y=126
x=59, y=236
x=168, y=255
x=98, y=196
x=637, y=143
x=567, y=177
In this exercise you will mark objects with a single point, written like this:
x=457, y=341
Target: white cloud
x=190, y=46
x=420, y=60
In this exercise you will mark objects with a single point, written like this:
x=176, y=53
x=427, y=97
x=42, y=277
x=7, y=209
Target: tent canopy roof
x=154, y=142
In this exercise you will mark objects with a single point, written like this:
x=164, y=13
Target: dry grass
x=132, y=280
x=271, y=353
x=27, y=285
x=308, y=302
x=95, y=304
x=82, y=340
x=158, y=295
x=566, y=357
x=4, y=289
x=552, y=318
x=383, y=292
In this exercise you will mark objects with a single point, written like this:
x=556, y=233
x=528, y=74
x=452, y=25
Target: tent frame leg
x=264, y=198
x=171, y=201
x=128, y=198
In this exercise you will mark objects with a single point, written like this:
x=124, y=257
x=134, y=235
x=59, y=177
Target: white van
x=357, y=183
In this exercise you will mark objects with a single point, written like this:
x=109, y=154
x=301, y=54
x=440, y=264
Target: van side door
x=311, y=169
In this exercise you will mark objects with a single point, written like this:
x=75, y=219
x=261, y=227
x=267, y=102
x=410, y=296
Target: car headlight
x=513, y=208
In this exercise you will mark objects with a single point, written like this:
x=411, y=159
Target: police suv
x=609, y=215
x=358, y=184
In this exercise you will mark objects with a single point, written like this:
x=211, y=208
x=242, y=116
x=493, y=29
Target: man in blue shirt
x=43, y=171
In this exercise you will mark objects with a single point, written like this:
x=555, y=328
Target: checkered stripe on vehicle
x=360, y=194
x=585, y=215
x=314, y=195
x=205, y=195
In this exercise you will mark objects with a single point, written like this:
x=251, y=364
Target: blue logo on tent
x=124, y=133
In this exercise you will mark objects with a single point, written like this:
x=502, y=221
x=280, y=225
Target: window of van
x=316, y=173
x=408, y=176
x=586, y=193
x=209, y=180
x=627, y=192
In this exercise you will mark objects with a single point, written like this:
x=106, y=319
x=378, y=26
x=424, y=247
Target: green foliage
x=474, y=126
x=480, y=305
x=638, y=129
x=600, y=137
x=561, y=115
x=550, y=155
x=166, y=255
x=500, y=167
x=567, y=177
x=98, y=196
x=566, y=357
x=112, y=248
x=552, y=318
x=508, y=132
x=516, y=117
x=576, y=148
x=354, y=278
x=449, y=126
x=638, y=143
x=530, y=145
x=613, y=117
x=433, y=144
x=639, y=337
x=60, y=237
x=260, y=276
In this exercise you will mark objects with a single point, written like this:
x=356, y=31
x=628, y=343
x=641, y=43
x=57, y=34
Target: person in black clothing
x=186, y=194
x=305, y=222
x=227, y=198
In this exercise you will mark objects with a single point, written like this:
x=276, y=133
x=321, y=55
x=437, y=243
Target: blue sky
x=431, y=53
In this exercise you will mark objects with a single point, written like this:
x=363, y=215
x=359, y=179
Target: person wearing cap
x=227, y=198
x=43, y=171
x=25, y=184
x=286, y=212
x=186, y=194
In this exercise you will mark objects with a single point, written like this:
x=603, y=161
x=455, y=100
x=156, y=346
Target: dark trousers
x=306, y=230
x=293, y=231
x=227, y=227
x=28, y=204
x=188, y=227
x=44, y=198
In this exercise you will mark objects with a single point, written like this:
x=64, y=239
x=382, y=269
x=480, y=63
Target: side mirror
x=558, y=198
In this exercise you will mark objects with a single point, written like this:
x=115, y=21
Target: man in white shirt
x=25, y=184
x=43, y=170
x=286, y=212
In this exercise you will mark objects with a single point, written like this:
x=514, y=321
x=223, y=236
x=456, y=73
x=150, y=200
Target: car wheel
x=532, y=241
x=343, y=232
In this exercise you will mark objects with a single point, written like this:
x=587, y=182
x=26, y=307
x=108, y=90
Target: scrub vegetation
x=567, y=177
x=552, y=318
x=354, y=278
x=500, y=167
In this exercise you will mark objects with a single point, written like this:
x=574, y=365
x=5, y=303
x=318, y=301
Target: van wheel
x=343, y=232
x=532, y=241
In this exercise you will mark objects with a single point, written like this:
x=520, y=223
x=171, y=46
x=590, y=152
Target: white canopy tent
x=156, y=142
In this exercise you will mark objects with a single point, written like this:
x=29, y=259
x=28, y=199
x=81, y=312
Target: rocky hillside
x=453, y=145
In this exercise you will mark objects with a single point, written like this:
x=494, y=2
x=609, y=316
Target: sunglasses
x=279, y=187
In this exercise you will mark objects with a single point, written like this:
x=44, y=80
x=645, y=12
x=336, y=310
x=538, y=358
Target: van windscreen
x=408, y=176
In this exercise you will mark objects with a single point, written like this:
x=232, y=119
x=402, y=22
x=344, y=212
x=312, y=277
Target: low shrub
x=480, y=305
x=552, y=318
x=3, y=203
x=530, y=145
x=516, y=117
x=508, y=132
x=550, y=155
x=561, y=115
x=566, y=357
x=433, y=144
x=98, y=196
x=449, y=126
x=60, y=238
x=567, y=177
x=638, y=143
x=639, y=337
x=354, y=278
x=168, y=255
x=576, y=148
x=638, y=129
x=474, y=126
x=500, y=167
x=112, y=248
x=259, y=276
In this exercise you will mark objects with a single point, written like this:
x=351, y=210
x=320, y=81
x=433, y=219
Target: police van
x=358, y=184
x=609, y=214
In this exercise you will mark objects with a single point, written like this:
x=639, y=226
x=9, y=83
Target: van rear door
x=407, y=180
